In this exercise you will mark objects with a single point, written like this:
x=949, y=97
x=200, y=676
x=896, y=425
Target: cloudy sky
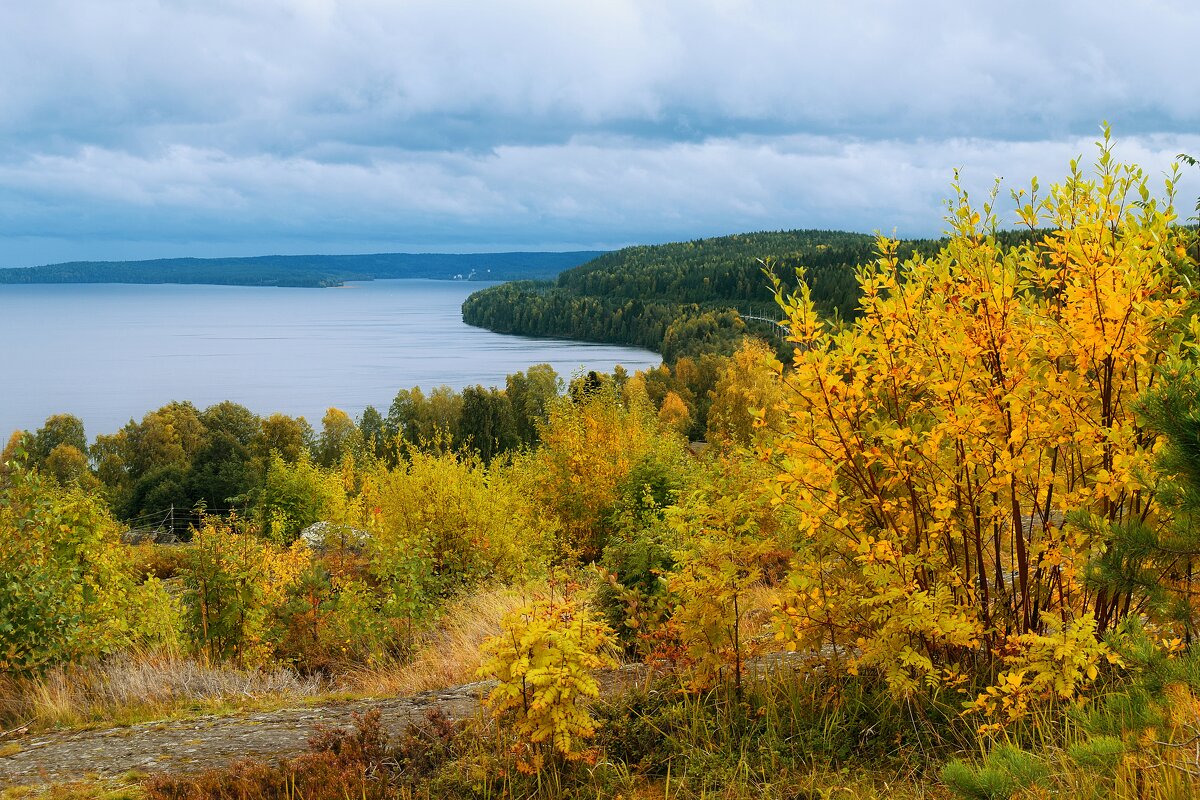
x=152, y=128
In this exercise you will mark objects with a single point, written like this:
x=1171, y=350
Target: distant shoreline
x=314, y=271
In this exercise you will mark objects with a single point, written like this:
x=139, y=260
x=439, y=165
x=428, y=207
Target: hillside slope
x=680, y=298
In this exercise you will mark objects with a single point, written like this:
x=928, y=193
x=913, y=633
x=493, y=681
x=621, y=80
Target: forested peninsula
x=306, y=271
x=689, y=298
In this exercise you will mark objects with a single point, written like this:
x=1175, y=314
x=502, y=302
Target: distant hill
x=688, y=298
x=680, y=298
x=306, y=271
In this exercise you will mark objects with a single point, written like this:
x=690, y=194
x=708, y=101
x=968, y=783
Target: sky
x=165, y=128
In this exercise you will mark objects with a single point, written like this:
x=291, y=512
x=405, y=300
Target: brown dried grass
x=141, y=685
x=144, y=685
x=449, y=655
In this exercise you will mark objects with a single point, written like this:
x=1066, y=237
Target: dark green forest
x=305, y=271
x=688, y=298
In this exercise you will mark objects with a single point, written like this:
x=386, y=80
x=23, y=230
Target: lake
x=110, y=352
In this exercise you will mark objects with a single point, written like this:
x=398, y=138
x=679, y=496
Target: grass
x=159, y=561
x=141, y=686
x=75, y=791
x=449, y=655
x=793, y=737
x=144, y=685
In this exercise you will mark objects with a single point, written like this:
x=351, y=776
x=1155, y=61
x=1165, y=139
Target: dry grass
x=158, y=560
x=88, y=790
x=449, y=655
x=137, y=686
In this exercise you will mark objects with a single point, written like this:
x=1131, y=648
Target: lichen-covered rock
x=324, y=535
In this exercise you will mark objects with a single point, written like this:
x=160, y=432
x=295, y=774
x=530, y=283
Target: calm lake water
x=110, y=352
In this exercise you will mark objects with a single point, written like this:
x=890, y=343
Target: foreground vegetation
x=948, y=552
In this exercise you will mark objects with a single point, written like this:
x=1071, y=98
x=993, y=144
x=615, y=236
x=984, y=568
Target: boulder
x=325, y=535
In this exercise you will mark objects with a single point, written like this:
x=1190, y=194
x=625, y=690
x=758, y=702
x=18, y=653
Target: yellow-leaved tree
x=235, y=583
x=965, y=459
x=442, y=522
x=748, y=397
x=731, y=543
x=589, y=445
x=544, y=661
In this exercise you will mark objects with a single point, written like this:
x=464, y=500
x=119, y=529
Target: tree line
x=312, y=271
x=679, y=299
x=691, y=298
x=219, y=458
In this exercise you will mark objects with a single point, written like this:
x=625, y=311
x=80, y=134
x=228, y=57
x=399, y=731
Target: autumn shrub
x=942, y=452
x=352, y=627
x=730, y=542
x=639, y=549
x=590, y=445
x=748, y=399
x=425, y=746
x=157, y=560
x=544, y=660
x=436, y=525
x=235, y=587
x=68, y=591
x=328, y=621
x=443, y=522
x=357, y=761
x=298, y=493
x=365, y=742
x=633, y=594
x=1045, y=668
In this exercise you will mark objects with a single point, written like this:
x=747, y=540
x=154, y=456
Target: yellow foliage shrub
x=544, y=661
x=235, y=584
x=1045, y=667
x=729, y=545
x=939, y=450
x=588, y=448
x=444, y=521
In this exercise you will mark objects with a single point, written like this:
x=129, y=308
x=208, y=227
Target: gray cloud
x=294, y=125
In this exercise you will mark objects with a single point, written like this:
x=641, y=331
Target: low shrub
x=355, y=762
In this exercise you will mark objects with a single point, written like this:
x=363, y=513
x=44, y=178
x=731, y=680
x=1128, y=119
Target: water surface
x=111, y=352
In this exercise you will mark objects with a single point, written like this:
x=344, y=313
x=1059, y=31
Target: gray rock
x=324, y=535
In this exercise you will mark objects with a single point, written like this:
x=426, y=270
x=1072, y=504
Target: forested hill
x=316, y=270
x=681, y=298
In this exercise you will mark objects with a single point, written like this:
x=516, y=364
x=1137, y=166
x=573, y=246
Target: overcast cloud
x=135, y=128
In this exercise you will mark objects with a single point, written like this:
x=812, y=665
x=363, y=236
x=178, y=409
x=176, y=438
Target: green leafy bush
x=67, y=588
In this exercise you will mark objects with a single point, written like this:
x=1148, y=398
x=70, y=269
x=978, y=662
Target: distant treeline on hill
x=677, y=299
x=306, y=271
x=686, y=298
